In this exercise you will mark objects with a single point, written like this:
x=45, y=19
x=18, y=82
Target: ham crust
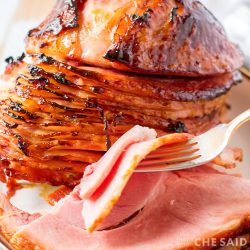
x=153, y=37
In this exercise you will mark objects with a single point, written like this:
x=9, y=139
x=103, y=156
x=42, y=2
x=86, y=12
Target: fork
x=193, y=152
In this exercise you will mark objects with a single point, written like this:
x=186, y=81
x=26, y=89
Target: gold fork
x=194, y=152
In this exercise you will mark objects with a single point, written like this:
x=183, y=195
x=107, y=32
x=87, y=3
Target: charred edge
x=9, y=60
x=117, y=54
x=173, y=14
x=176, y=127
x=7, y=125
x=112, y=54
x=120, y=52
x=17, y=107
x=91, y=103
x=143, y=18
x=67, y=18
x=60, y=78
x=14, y=116
x=56, y=105
x=106, y=127
x=41, y=83
x=22, y=145
x=97, y=89
x=35, y=71
x=81, y=72
x=46, y=59
x=64, y=96
x=21, y=57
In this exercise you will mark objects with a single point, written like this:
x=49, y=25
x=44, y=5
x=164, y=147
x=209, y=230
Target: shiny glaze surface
x=166, y=37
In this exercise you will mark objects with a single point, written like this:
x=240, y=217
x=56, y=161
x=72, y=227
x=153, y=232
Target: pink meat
x=129, y=202
x=186, y=206
x=168, y=210
x=90, y=181
x=98, y=206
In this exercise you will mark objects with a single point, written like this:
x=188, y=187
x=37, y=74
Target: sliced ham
x=186, y=206
x=117, y=166
x=93, y=99
x=104, y=166
x=170, y=210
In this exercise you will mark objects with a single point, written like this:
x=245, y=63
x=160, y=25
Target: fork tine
x=171, y=154
x=171, y=165
x=173, y=159
x=174, y=147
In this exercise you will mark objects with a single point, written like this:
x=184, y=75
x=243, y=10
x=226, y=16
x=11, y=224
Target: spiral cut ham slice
x=56, y=119
x=153, y=37
x=103, y=185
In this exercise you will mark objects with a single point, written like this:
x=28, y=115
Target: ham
x=170, y=210
x=86, y=100
x=102, y=194
x=105, y=164
x=187, y=205
x=153, y=37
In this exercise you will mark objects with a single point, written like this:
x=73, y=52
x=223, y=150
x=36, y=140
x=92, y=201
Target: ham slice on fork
x=105, y=180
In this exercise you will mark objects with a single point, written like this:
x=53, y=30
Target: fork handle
x=239, y=121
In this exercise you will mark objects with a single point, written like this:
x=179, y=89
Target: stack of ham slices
x=112, y=208
x=103, y=84
x=97, y=68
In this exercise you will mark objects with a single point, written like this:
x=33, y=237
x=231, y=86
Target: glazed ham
x=154, y=37
x=56, y=119
x=80, y=94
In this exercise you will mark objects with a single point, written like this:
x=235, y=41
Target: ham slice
x=91, y=181
x=186, y=206
x=117, y=165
